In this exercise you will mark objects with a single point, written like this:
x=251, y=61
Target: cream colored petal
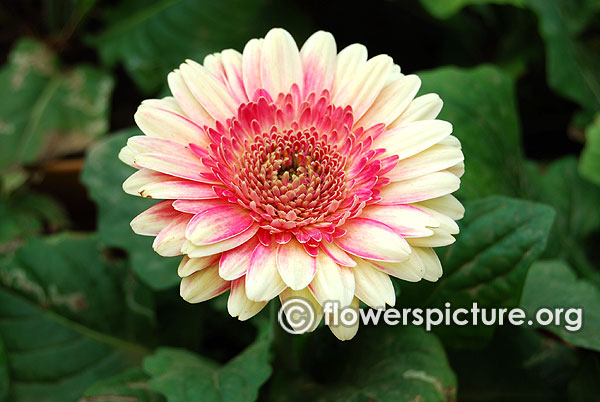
x=319, y=54
x=373, y=286
x=343, y=332
x=425, y=107
x=280, y=63
x=239, y=305
x=203, y=285
x=411, y=270
x=305, y=295
x=349, y=60
x=186, y=100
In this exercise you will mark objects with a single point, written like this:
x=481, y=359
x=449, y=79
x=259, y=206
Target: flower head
x=296, y=173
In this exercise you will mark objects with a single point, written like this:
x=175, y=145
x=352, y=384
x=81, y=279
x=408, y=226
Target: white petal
x=433, y=159
x=262, y=279
x=238, y=304
x=251, y=67
x=349, y=60
x=154, y=219
x=305, y=295
x=188, y=265
x=426, y=107
x=373, y=286
x=406, y=220
x=280, y=63
x=413, y=138
x=332, y=282
x=447, y=205
x=345, y=333
x=319, y=56
x=421, y=188
x=296, y=267
x=169, y=241
x=186, y=100
x=411, y=270
x=203, y=285
x=433, y=266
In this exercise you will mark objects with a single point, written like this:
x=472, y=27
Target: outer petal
x=203, y=285
x=210, y=93
x=318, y=56
x=186, y=100
x=344, y=333
x=411, y=270
x=420, y=188
x=161, y=119
x=374, y=240
x=365, y=86
x=280, y=63
x=169, y=241
x=413, y=138
x=425, y=107
x=391, y=101
x=433, y=159
x=433, y=267
x=296, y=267
x=262, y=280
x=217, y=224
x=447, y=205
x=238, y=304
x=151, y=184
x=373, y=286
x=195, y=251
x=251, y=66
x=349, y=61
x=337, y=254
x=304, y=294
x=405, y=220
x=227, y=67
x=178, y=166
x=235, y=263
x=188, y=265
x=332, y=282
x=154, y=219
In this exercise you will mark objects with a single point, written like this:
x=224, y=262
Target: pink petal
x=235, y=263
x=154, y=219
x=337, y=254
x=374, y=240
x=262, y=280
x=296, y=267
x=318, y=56
x=185, y=168
x=218, y=224
x=196, y=251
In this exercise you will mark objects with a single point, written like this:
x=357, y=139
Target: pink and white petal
x=140, y=178
x=169, y=241
x=367, y=238
x=411, y=270
x=305, y=295
x=373, y=287
x=232, y=63
x=280, y=63
x=127, y=156
x=262, y=279
x=433, y=266
x=154, y=219
x=446, y=223
x=421, y=188
x=157, y=119
x=251, y=67
x=407, y=221
x=239, y=305
x=391, y=101
x=337, y=254
x=173, y=165
x=296, y=267
x=188, y=265
x=198, y=206
x=437, y=157
x=208, y=91
x=343, y=332
x=364, y=88
x=195, y=251
x=186, y=100
x=413, y=138
x=178, y=189
x=332, y=282
x=425, y=107
x=319, y=54
x=203, y=285
x=447, y=205
x=440, y=238
x=349, y=61
x=235, y=263
x=217, y=224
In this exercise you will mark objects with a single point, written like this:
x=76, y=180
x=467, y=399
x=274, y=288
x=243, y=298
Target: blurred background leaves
x=88, y=312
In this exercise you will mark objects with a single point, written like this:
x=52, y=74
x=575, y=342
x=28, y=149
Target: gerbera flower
x=296, y=173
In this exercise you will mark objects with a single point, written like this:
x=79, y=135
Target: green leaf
x=151, y=39
x=129, y=385
x=589, y=163
x=26, y=213
x=447, y=8
x=384, y=364
x=4, y=375
x=573, y=66
x=480, y=104
x=500, y=238
x=56, y=299
x=553, y=284
x=52, y=112
x=103, y=176
x=184, y=376
x=584, y=387
x=576, y=203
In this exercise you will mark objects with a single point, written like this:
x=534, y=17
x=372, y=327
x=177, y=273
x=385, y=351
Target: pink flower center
x=300, y=166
